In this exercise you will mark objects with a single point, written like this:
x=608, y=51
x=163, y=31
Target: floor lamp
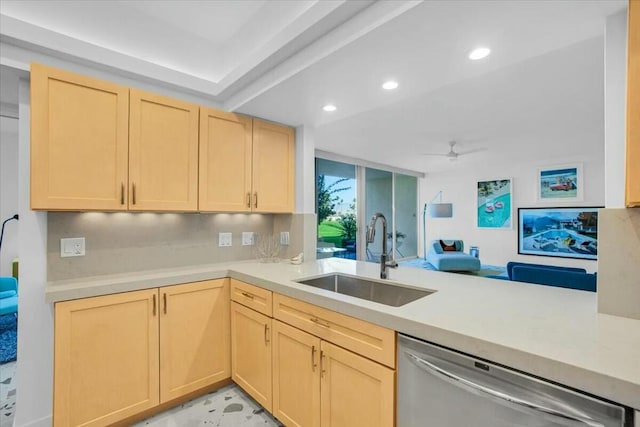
x=436, y=210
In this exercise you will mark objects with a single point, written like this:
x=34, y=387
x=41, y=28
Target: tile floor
x=225, y=407
x=7, y=393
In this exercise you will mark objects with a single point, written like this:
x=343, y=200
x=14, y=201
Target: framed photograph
x=558, y=232
x=494, y=203
x=561, y=183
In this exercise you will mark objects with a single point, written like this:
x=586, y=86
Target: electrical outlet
x=284, y=238
x=247, y=238
x=225, y=239
x=72, y=247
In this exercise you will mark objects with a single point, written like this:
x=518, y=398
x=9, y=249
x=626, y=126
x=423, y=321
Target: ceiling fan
x=452, y=155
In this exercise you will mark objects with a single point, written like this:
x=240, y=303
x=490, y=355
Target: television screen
x=559, y=232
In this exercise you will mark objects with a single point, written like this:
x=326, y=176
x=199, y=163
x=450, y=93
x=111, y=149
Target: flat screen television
x=565, y=232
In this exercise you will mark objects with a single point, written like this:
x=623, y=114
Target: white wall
x=8, y=191
x=498, y=246
x=615, y=99
x=35, y=327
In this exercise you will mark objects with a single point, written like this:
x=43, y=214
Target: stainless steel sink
x=372, y=290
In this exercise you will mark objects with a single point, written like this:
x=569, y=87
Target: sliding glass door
x=348, y=196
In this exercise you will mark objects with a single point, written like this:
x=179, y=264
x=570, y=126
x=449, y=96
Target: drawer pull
x=313, y=358
x=154, y=305
x=133, y=193
x=319, y=322
x=322, y=370
x=255, y=203
x=249, y=199
x=247, y=294
x=266, y=334
x=122, y=193
x=164, y=297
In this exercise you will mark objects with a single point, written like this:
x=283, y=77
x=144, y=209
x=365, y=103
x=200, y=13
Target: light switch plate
x=247, y=238
x=224, y=239
x=284, y=238
x=72, y=247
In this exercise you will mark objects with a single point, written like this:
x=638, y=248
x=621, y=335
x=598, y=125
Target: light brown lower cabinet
x=316, y=383
x=251, y=353
x=118, y=355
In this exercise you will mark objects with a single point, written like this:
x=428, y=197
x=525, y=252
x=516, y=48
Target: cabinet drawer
x=252, y=296
x=369, y=340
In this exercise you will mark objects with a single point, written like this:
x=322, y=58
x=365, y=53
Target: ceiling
x=284, y=60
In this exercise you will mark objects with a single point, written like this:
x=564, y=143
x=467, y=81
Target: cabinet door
x=225, y=161
x=251, y=353
x=79, y=141
x=296, y=376
x=163, y=153
x=194, y=337
x=633, y=107
x=105, y=358
x=355, y=391
x=273, y=167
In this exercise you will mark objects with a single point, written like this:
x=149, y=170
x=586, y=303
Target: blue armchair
x=8, y=295
x=451, y=256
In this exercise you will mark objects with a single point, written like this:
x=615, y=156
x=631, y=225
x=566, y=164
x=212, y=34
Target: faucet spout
x=371, y=233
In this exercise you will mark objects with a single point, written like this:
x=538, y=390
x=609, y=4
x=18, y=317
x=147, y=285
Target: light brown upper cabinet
x=163, y=153
x=225, y=161
x=79, y=141
x=245, y=165
x=96, y=145
x=633, y=106
x=273, y=167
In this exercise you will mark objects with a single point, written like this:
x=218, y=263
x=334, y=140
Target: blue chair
x=451, y=258
x=8, y=295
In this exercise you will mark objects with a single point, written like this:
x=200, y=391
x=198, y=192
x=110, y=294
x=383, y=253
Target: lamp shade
x=441, y=210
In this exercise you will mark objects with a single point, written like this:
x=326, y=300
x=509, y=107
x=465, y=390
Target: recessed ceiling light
x=390, y=85
x=329, y=107
x=479, y=53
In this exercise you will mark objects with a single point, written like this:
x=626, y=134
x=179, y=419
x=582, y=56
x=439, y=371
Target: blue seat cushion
x=9, y=305
x=7, y=294
x=454, y=261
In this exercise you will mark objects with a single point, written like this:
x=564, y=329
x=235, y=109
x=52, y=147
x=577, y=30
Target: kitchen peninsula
x=553, y=333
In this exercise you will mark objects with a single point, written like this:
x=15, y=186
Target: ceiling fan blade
x=475, y=150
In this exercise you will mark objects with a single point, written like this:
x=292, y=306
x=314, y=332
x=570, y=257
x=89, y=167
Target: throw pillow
x=448, y=248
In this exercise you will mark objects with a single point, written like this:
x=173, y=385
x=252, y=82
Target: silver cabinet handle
x=249, y=199
x=490, y=393
x=255, y=198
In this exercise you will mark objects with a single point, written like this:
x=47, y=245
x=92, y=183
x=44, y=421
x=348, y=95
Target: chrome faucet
x=371, y=234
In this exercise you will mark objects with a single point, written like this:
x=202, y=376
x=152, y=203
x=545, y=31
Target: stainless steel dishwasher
x=443, y=388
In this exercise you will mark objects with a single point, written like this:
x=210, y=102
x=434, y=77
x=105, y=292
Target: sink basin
x=371, y=290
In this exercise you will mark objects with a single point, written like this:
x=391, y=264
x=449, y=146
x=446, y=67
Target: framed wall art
x=561, y=183
x=559, y=232
x=494, y=203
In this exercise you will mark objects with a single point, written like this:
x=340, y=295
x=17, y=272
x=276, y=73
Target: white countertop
x=554, y=333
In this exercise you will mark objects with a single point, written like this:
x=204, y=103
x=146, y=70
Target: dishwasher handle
x=481, y=390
